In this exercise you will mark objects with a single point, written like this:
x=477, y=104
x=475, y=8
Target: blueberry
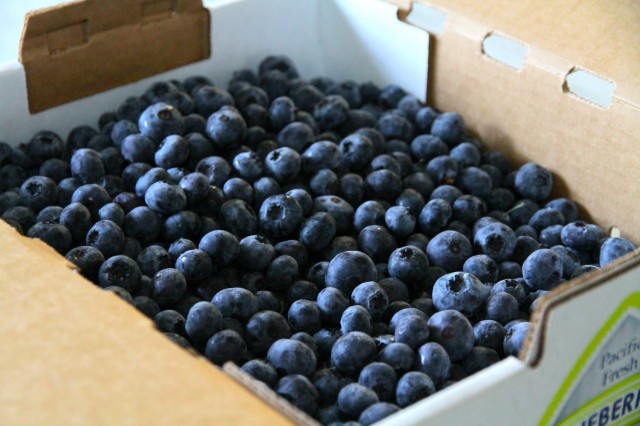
x=534, y=182
x=87, y=259
x=460, y=291
x=331, y=111
x=614, y=248
x=515, y=338
x=474, y=181
x=524, y=247
x=448, y=126
x=280, y=216
x=584, y=269
x=262, y=371
x=170, y=321
x=468, y=209
x=348, y=269
x=278, y=62
x=408, y=264
x=480, y=358
x=354, y=398
x=568, y=208
x=306, y=97
x=447, y=193
x=263, y=329
x=467, y=154
x=55, y=169
x=221, y=246
x=23, y=216
x=551, y=236
x=226, y=346
x=159, y=121
x=120, y=271
x=383, y=185
x=148, y=178
x=351, y=352
x=399, y=356
x=305, y=316
x=394, y=125
x=146, y=306
x=424, y=304
x=169, y=286
x=203, y=321
x=165, y=198
x=515, y=287
x=107, y=237
x=369, y=213
x=38, y=192
x=153, y=259
x=500, y=199
x=377, y=242
x=292, y=357
x=53, y=234
x=432, y=360
x=501, y=307
x=317, y=231
x=332, y=303
x=496, y=240
x=194, y=264
x=542, y=270
x=434, y=216
x=341, y=211
x=209, y=99
x=328, y=383
x=120, y=292
x=509, y=270
x=489, y=334
x=282, y=272
x=412, y=387
x=395, y=290
x=45, y=145
x=238, y=217
x=381, y=378
x=217, y=170
x=522, y=212
x=143, y=224
x=299, y=391
x=398, y=316
x=412, y=330
x=295, y=249
x=356, y=318
x=449, y=250
x=482, y=267
x=283, y=164
x=581, y=236
x=453, y=331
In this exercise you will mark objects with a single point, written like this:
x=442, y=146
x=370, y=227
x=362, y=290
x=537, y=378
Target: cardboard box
x=73, y=354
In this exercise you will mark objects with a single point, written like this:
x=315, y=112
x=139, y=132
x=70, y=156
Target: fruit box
x=550, y=82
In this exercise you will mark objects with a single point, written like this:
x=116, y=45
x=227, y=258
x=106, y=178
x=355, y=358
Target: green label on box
x=603, y=387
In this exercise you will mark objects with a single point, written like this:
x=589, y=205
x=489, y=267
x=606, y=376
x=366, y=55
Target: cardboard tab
x=79, y=49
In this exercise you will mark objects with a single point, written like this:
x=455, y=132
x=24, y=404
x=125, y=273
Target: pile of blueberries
x=348, y=246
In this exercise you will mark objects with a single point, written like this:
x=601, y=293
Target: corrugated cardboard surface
x=592, y=151
x=74, y=354
x=85, y=47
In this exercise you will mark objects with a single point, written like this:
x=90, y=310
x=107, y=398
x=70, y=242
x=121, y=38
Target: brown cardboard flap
x=599, y=36
x=73, y=354
x=86, y=47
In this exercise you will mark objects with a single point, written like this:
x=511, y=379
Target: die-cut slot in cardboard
x=78, y=49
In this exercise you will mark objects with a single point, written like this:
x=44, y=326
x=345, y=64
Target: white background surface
x=11, y=20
